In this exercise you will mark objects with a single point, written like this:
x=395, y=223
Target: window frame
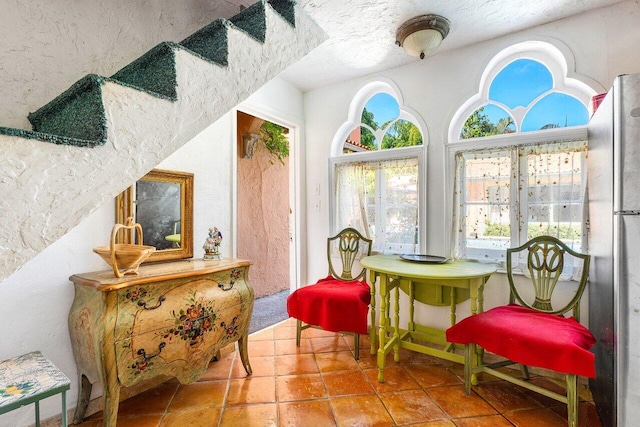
x=559, y=61
x=417, y=152
x=354, y=121
x=574, y=133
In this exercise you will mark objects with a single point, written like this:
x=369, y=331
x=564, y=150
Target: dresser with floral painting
x=169, y=320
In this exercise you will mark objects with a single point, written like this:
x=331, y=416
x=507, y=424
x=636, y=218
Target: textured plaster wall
x=209, y=157
x=603, y=43
x=263, y=214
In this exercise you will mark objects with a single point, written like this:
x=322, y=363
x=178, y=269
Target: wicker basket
x=125, y=258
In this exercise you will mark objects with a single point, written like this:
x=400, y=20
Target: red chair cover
x=333, y=304
x=530, y=337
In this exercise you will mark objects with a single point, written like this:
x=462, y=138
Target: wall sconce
x=249, y=141
x=422, y=35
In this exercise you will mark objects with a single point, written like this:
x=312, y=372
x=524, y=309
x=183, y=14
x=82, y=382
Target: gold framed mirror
x=162, y=203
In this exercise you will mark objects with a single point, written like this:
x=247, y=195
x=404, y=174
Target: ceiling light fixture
x=422, y=35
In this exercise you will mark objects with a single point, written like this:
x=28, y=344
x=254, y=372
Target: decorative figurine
x=212, y=244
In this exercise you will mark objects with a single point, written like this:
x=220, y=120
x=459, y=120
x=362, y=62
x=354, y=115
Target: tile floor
x=320, y=384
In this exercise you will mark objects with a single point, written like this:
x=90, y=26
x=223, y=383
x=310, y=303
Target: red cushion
x=333, y=304
x=531, y=338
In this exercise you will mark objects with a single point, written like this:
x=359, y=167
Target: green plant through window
x=381, y=119
x=535, y=229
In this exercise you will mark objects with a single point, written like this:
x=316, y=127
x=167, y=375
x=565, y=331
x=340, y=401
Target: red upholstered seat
x=561, y=344
x=333, y=304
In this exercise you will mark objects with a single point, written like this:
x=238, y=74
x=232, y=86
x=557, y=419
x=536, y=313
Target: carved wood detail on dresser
x=170, y=320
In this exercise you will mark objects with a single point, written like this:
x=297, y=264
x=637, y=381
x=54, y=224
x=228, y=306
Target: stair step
x=210, y=42
x=77, y=113
x=286, y=9
x=252, y=21
x=154, y=72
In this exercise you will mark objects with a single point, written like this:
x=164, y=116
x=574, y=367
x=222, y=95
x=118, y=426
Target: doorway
x=264, y=214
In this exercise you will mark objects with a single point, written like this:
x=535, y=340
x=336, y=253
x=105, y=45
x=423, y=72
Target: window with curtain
x=380, y=199
x=378, y=171
x=518, y=148
x=505, y=196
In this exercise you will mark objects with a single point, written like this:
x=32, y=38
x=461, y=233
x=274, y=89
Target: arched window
x=382, y=127
x=518, y=148
x=378, y=170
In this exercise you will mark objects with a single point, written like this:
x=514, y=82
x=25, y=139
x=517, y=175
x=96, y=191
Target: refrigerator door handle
x=627, y=213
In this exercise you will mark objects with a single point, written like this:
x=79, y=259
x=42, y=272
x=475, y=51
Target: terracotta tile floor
x=320, y=384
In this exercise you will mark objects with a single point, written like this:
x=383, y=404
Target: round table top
x=458, y=269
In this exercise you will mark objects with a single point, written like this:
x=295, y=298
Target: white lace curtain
x=380, y=200
x=505, y=196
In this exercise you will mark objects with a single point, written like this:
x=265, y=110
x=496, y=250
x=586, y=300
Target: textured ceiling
x=362, y=32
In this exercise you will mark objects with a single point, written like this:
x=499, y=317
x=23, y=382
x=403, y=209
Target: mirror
x=162, y=203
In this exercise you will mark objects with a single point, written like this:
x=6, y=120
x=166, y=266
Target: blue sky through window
x=517, y=85
x=522, y=82
x=384, y=108
x=555, y=109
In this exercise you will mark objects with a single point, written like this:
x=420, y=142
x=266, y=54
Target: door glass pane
x=488, y=200
x=555, y=196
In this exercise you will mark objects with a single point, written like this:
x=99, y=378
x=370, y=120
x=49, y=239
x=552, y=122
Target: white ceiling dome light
x=422, y=35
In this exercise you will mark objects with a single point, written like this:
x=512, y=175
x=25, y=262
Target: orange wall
x=263, y=214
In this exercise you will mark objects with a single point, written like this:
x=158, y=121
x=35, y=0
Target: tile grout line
x=228, y=380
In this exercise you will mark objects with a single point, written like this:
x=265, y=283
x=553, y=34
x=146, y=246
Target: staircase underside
x=109, y=132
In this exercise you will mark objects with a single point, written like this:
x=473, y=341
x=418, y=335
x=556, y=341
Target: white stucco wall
x=209, y=157
x=603, y=44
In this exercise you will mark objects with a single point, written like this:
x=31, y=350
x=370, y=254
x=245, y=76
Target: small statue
x=212, y=244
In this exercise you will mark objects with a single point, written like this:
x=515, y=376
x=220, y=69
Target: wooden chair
x=533, y=333
x=340, y=301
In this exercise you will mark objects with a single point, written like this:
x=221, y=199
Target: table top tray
x=428, y=259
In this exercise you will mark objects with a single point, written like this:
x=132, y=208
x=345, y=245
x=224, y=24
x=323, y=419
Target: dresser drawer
x=157, y=306
x=184, y=354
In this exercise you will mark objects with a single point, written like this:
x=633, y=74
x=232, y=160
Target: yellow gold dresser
x=167, y=321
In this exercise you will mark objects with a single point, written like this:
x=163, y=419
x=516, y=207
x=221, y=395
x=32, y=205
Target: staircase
x=103, y=133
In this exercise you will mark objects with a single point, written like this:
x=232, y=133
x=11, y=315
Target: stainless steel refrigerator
x=614, y=243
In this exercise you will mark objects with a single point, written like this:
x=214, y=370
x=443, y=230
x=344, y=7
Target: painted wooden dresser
x=170, y=320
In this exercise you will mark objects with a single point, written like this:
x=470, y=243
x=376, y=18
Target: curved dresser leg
x=84, y=394
x=244, y=354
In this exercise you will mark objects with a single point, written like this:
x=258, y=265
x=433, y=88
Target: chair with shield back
x=530, y=331
x=340, y=301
